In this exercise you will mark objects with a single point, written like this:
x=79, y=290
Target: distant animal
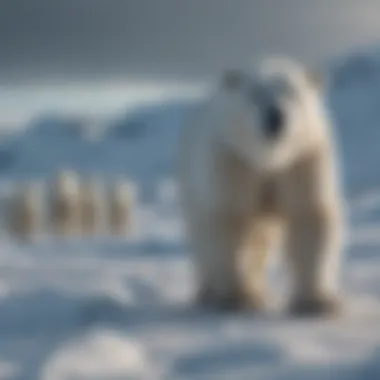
x=120, y=207
x=65, y=204
x=92, y=207
x=25, y=210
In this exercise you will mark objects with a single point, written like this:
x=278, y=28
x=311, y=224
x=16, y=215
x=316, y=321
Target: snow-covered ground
x=113, y=310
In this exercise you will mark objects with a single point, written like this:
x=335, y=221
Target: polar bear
x=258, y=167
x=92, y=207
x=65, y=204
x=122, y=198
x=25, y=210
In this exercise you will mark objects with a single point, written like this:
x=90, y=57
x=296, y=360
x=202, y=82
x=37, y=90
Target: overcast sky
x=71, y=39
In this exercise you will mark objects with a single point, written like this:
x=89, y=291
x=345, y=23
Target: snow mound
x=101, y=355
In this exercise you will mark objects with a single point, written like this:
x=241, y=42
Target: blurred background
x=95, y=92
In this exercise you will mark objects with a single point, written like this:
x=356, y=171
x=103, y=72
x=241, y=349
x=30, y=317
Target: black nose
x=274, y=122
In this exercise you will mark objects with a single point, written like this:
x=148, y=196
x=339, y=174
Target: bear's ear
x=232, y=79
x=316, y=78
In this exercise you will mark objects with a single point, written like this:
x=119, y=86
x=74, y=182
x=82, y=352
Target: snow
x=121, y=309
x=97, y=354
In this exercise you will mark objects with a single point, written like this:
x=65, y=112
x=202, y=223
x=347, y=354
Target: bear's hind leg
x=315, y=220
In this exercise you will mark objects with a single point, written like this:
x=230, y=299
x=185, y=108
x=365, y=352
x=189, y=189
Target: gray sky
x=72, y=39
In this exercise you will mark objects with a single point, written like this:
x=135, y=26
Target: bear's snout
x=274, y=122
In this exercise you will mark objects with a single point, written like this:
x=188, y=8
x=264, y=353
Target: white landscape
x=107, y=309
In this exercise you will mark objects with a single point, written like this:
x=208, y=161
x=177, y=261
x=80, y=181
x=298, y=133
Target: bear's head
x=272, y=112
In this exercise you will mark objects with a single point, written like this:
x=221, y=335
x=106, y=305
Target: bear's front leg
x=222, y=285
x=313, y=249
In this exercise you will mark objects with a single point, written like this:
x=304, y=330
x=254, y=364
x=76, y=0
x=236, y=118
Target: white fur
x=221, y=198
